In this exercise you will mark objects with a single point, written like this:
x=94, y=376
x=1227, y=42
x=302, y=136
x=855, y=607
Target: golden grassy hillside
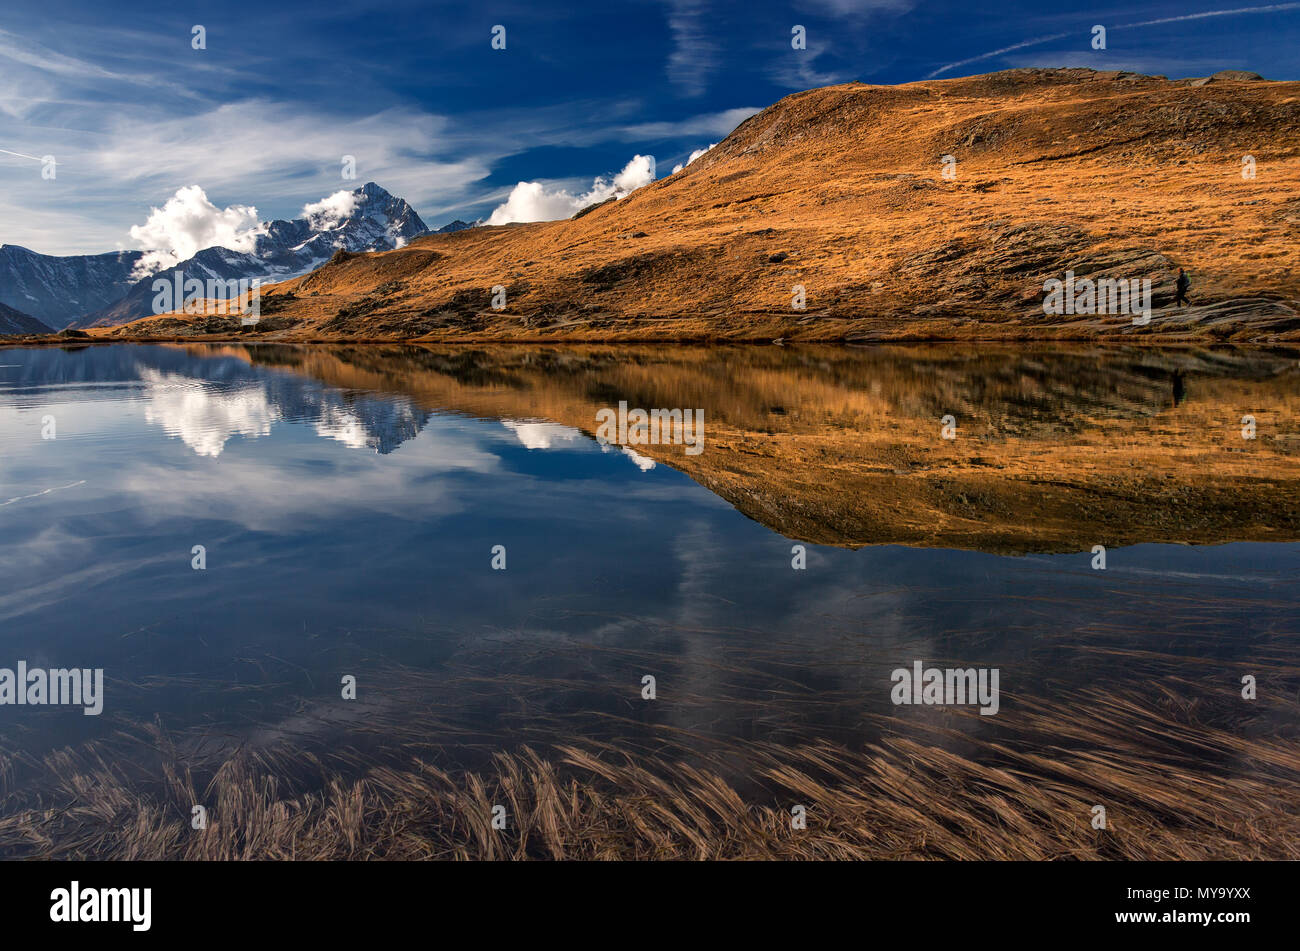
x=842, y=190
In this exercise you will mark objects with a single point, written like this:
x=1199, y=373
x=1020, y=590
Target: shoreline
x=1152, y=341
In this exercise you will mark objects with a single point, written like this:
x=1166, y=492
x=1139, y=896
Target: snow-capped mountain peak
x=108, y=289
x=364, y=219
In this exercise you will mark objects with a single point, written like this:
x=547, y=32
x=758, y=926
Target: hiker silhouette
x=1184, y=282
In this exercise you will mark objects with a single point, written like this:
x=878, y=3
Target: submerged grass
x=901, y=798
x=1173, y=787
x=1150, y=725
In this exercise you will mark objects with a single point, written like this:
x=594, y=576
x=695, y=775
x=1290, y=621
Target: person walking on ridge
x=1184, y=282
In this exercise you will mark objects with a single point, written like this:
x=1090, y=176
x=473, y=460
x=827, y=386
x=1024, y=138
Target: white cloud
x=694, y=155
x=644, y=463
x=540, y=434
x=638, y=172
x=186, y=224
x=204, y=419
x=533, y=201
x=246, y=490
x=330, y=212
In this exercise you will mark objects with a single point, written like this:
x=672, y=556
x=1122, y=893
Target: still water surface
x=349, y=501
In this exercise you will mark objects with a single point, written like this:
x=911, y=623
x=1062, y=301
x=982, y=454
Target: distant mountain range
x=57, y=290
x=16, y=322
x=106, y=289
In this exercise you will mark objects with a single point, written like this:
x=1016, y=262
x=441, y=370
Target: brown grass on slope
x=841, y=190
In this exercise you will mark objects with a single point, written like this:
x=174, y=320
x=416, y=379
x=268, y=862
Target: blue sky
x=416, y=93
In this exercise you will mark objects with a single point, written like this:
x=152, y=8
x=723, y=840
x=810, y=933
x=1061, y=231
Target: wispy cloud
x=798, y=70
x=1161, y=21
x=1271, y=8
x=34, y=76
x=695, y=48
x=245, y=152
x=710, y=124
x=992, y=54
x=850, y=9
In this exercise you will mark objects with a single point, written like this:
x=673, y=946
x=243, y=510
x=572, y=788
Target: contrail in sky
x=22, y=155
x=1272, y=8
